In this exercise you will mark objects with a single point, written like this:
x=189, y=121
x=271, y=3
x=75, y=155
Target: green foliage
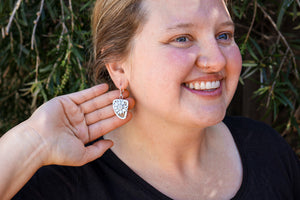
x=46, y=47
x=269, y=38
x=42, y=54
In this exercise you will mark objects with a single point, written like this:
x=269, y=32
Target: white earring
x=120, y=106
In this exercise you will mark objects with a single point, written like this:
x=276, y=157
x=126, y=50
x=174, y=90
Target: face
x=185, y=65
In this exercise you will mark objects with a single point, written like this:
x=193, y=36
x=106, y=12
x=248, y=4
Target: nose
x=210, y=57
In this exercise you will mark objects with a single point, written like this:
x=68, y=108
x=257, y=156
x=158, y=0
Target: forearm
x=21, y=155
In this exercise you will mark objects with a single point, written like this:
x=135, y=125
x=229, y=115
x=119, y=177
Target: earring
x=120, y=106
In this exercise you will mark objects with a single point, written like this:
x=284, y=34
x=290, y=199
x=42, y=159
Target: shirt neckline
x=151, y=190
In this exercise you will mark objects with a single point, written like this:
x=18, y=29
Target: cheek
x=178, y=61
x=233, y=70
x=234, y=63
x=177, y=56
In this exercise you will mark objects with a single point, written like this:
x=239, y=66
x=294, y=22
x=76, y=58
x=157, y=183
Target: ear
x=117, y=74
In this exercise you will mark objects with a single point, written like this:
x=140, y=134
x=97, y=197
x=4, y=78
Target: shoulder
x=100, y=178
x=259, y=143
x=254, y=134
x=243, y=123
x=65, y=182
x=271, y=168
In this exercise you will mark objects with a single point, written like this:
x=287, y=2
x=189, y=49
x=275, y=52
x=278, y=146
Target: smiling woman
x=181, y=65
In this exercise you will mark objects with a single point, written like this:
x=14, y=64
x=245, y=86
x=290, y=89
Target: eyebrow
x=228, y=23
x=189, y=25
x=181, y=25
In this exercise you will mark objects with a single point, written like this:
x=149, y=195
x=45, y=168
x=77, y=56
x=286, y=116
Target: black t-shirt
x=271, y=171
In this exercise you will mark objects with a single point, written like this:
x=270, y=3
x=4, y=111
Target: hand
x=67, y=123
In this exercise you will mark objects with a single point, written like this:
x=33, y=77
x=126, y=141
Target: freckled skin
x=158, y=65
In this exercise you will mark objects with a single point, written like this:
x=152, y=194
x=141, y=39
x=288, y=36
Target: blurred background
x=45, y=48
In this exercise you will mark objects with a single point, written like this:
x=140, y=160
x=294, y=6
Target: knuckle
x=96, y=128
x=81, y=110
x=99, y=114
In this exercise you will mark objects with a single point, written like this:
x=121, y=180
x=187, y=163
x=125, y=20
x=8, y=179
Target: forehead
x=170, y=12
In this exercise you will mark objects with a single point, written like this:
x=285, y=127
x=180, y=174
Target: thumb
x=96, y=150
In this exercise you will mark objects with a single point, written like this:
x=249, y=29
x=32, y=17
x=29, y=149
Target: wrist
x=29, y=144
x=22, y=153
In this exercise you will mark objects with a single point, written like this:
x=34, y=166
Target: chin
x=206, y=120
x=213, y=120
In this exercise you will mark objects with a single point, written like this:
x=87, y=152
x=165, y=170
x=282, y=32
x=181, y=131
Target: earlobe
x=117, y=74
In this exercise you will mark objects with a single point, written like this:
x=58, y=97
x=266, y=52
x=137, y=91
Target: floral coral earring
x=120, y=106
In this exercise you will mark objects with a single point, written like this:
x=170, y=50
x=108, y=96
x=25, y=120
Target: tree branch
x=17, y=5
x=252, y=23
x=282, y=38
x=276, y=76
x=72, y=15
x=298, y=2
x=35, y=24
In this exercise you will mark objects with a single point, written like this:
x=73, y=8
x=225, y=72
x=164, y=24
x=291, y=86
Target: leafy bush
x=43, y=52
x=45, y=49
x=269, y=39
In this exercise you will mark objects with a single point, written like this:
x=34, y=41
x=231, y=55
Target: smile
x=203, y=85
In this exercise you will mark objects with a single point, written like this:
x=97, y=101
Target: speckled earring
x=120, y=106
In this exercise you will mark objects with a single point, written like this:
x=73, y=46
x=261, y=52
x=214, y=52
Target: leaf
x=297, y=27
x=76, y=53
x=23, y=14
x=295, y=124
x=249, y=63
x=284, y=6
x=262, y=91
x=292, y=88
x=274, y=110
x=285, y=100
x=257, y=47
x=249, y=72
x=38, y=88
x=89, y=3
x=50, y=10
x=250, y=50
x=45, y=69
x=241, y=81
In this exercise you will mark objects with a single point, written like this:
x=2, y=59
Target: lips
x=203, y=85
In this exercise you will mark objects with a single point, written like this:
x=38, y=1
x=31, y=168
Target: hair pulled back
x=114, y=24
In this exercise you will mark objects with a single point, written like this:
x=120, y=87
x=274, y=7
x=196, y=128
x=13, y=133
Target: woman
x=181, y=65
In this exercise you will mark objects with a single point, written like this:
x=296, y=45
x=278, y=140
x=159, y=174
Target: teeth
x=214, y=84
x=204, y=85
x=208, y=85
x=191, y=85
x=197, y=86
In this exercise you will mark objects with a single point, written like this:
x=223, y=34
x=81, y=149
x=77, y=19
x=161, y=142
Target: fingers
x=104, y=120
x=87, y=94
x=102, y=127
x=96, y=150
x=101, y=101
x=96, y=113
x=104, y=113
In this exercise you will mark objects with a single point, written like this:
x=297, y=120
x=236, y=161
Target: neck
x=162, y=143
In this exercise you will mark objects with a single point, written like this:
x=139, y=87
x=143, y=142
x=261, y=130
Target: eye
x=182, y=41
x=225, y=37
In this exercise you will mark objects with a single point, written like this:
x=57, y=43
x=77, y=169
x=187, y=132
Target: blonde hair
x=114, y=24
